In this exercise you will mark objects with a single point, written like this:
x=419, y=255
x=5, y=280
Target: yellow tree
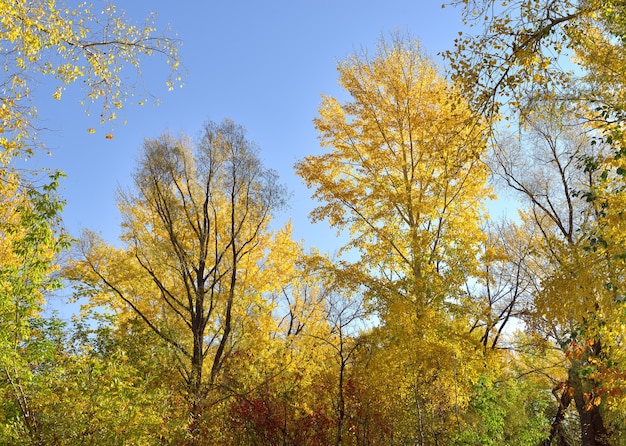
x=403, y=175
x=196, y=240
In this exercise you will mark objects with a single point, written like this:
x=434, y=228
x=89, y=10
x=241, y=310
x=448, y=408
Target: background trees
x=534, y=61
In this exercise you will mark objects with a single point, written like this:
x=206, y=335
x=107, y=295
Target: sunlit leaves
x=403, y=175
x=402, y=169
x=93, y=43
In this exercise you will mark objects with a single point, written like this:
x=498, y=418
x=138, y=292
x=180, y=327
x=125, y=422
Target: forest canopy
x=435, y=322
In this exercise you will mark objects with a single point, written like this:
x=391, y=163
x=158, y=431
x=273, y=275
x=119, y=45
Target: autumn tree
x=524, y=56
x=403, y=175
x=195, y=236
x=547, y=164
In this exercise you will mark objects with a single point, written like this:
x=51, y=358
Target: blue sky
x=262, y=64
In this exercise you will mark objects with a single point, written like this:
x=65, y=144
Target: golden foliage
x=44, y=38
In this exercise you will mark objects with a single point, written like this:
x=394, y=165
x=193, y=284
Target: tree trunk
x=593, y=431
x=341, y=405
x=556, y=431
x=195, y=390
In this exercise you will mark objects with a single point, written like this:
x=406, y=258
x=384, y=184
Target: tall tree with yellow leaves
x=403, y=175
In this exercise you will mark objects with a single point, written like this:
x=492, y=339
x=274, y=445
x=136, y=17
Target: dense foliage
x=434, y=324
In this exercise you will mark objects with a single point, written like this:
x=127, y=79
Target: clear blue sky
x=262, y=64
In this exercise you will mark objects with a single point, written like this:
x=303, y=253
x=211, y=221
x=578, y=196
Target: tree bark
x=341, y=409
x=556, y=431
x=593, y=431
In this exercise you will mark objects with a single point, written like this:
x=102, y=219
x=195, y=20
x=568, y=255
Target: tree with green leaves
x=93, y=46
x=30, y=239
